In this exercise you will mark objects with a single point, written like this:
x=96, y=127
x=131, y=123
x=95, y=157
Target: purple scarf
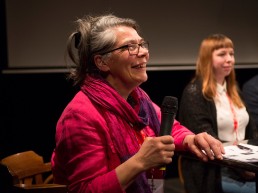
x=122, y=119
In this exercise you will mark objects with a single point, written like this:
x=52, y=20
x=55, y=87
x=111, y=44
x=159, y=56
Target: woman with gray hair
x=107, y=138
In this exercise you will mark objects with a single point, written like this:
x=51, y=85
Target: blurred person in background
x=211, y=103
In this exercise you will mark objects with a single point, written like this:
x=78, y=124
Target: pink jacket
x=83, y=158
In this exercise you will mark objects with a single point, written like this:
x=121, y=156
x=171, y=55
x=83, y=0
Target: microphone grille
x=169, y=104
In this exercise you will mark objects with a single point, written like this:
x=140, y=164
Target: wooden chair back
x=28, y=168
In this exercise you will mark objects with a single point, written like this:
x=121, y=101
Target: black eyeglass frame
x=128, y=46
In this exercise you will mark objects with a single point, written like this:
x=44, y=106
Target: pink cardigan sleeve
x=83, y=157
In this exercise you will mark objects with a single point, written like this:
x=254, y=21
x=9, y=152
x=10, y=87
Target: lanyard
x=153, y=175
x=140, y=136
x=235, y=122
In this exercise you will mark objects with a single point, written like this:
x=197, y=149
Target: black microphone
x=168, y=113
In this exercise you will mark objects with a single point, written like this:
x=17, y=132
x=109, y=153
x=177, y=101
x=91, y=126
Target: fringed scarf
x=123, y=120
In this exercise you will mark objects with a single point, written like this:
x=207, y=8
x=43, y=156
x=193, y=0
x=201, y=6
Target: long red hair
x=204, y=70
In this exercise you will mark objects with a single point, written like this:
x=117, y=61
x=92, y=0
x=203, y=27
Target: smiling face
x=125, y=71
x=223, y=61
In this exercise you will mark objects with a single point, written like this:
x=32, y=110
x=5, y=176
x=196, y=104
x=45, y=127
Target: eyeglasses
x=133, y=49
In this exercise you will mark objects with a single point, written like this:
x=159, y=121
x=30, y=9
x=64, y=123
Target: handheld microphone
x=168, y=113
x=169, y=108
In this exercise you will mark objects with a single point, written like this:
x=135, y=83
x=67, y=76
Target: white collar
x=222, y=88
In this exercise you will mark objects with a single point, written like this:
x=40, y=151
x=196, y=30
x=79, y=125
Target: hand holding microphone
x=159, y=150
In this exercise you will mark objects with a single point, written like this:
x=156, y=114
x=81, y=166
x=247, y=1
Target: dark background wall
x=32, y=103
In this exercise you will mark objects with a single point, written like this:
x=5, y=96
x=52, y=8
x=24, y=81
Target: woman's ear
x=100, y=63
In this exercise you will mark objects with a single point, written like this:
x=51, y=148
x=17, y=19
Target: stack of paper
x=242, y=152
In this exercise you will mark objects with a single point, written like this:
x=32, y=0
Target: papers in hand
x=242, y=152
